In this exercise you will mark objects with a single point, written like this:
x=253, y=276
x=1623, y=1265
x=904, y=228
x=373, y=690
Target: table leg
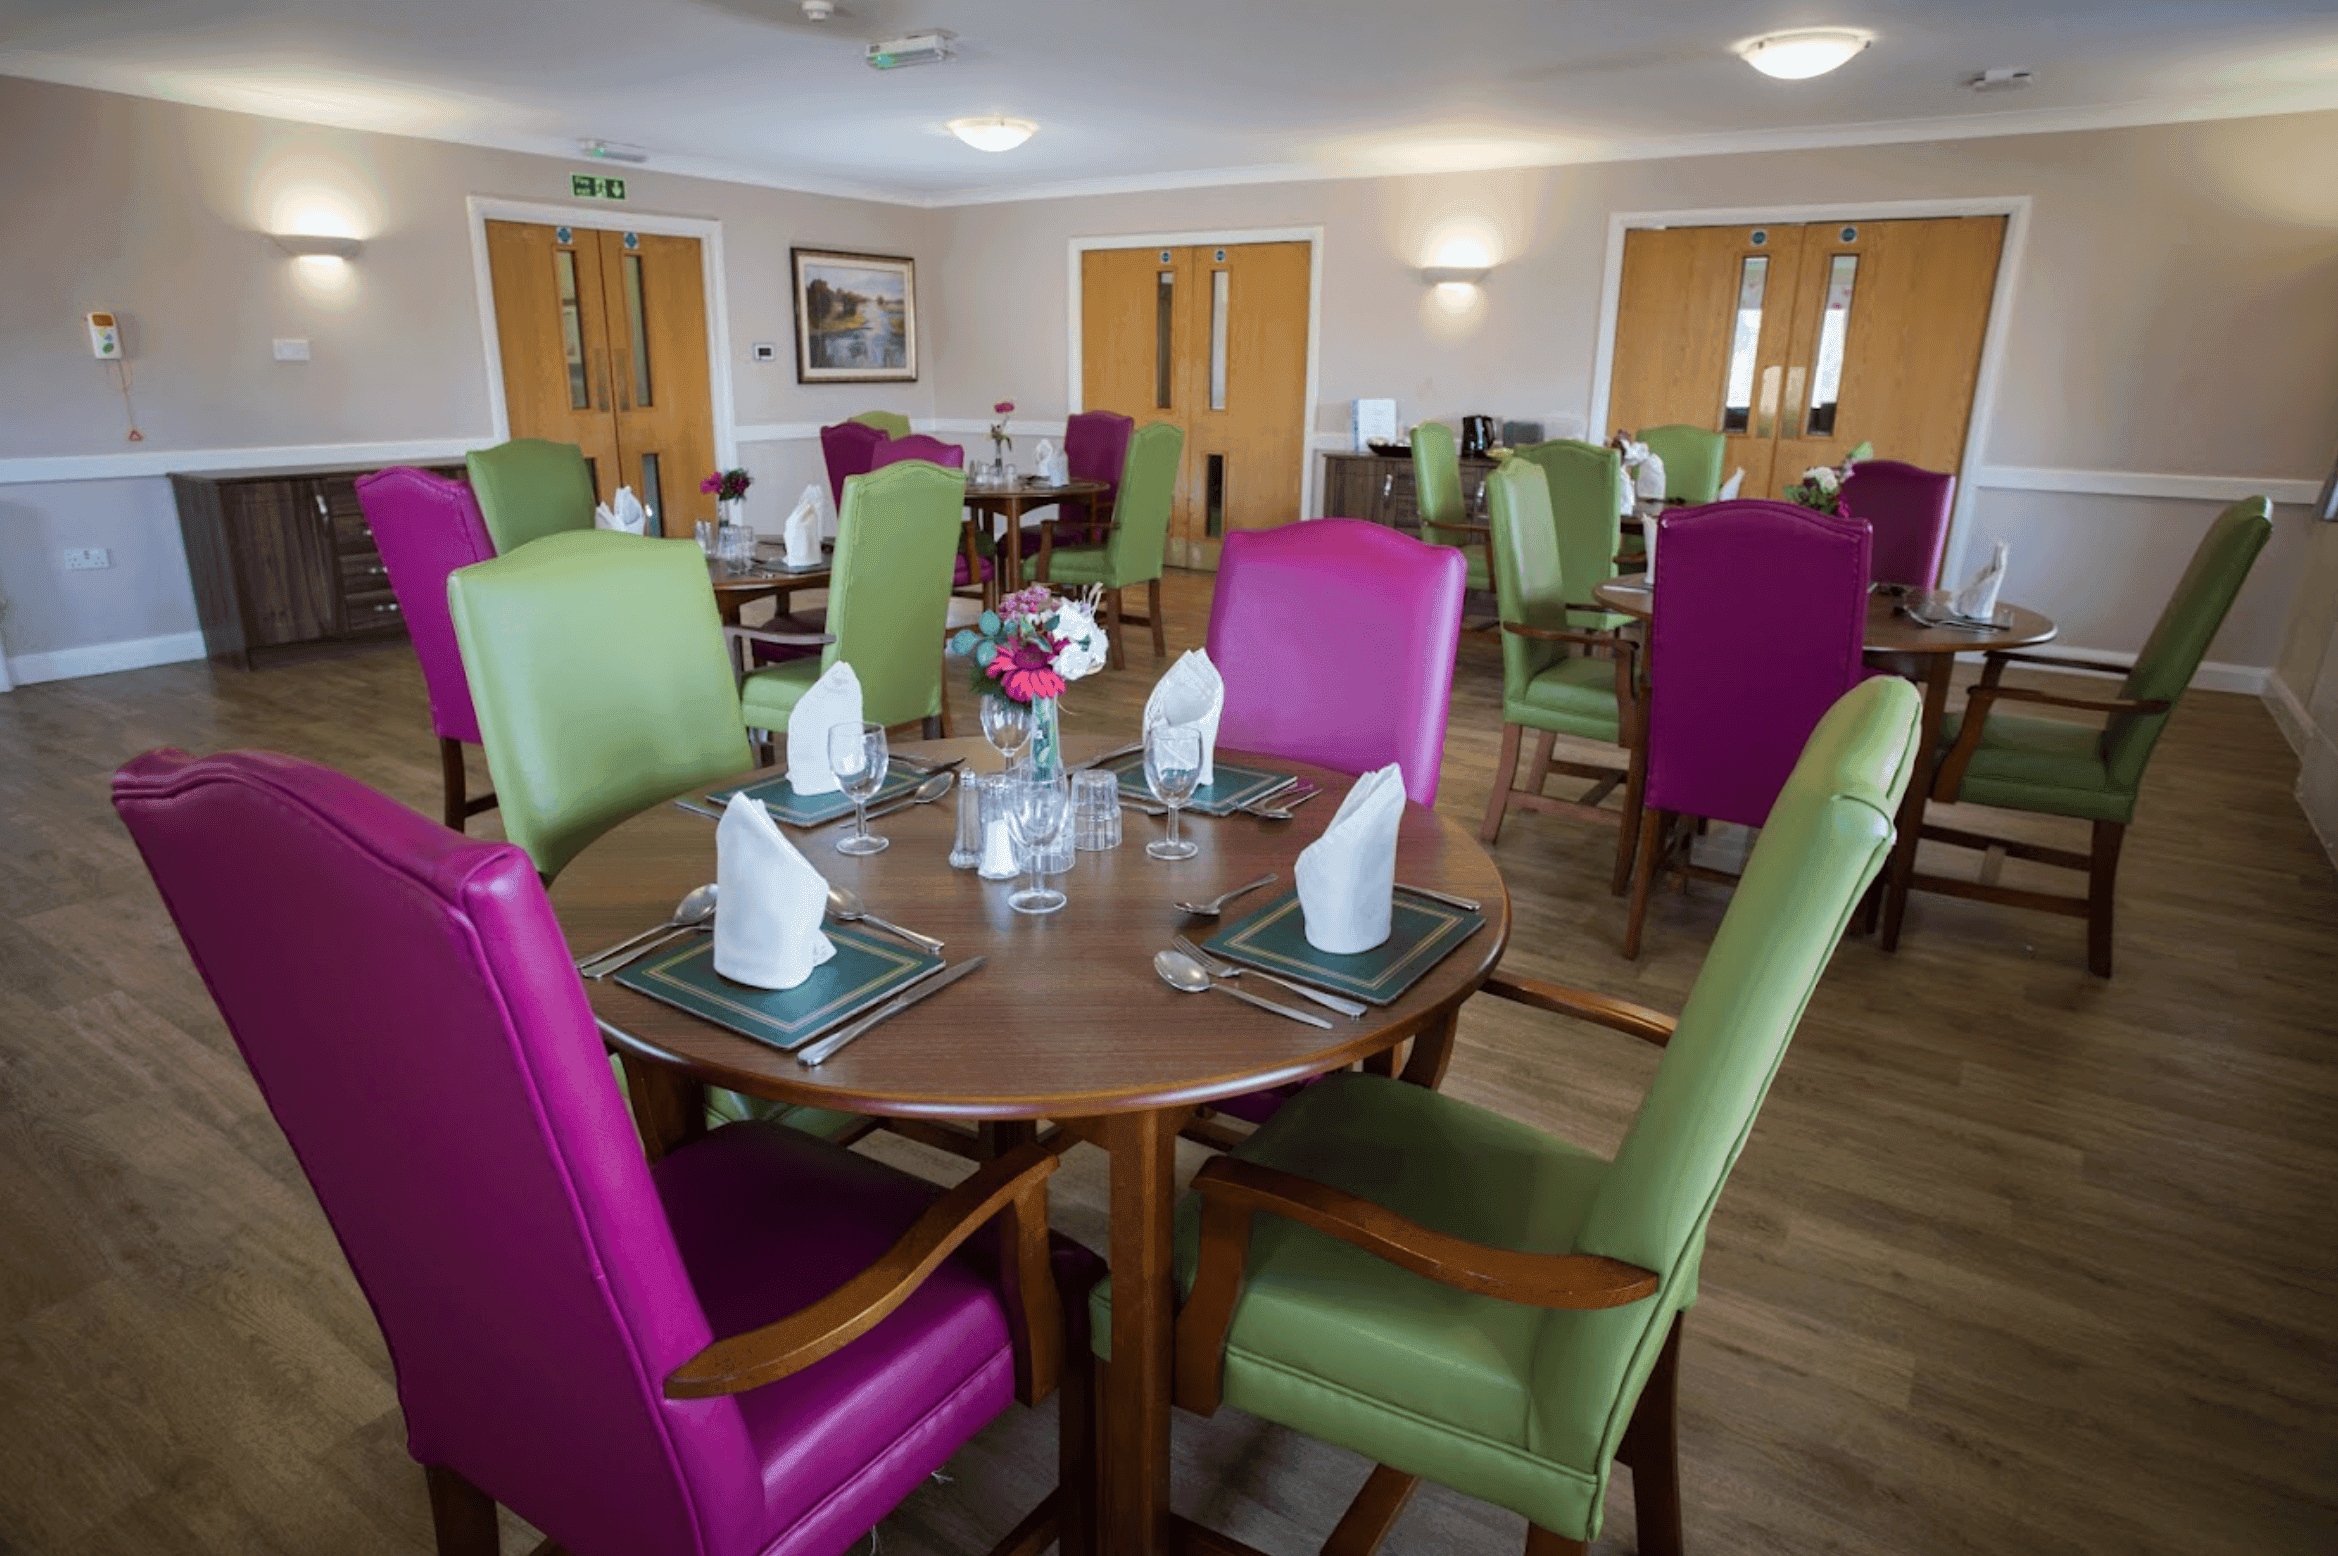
x=669, y=1106
x=1934, y=679
x=1143, y=1147
x=1014, y=553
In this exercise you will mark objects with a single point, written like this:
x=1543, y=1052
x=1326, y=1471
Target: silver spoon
x=1349, y=1008
x=845, y=905
x=1282, y=812
x=924, y=794
x=1211, y=907
x=695, y=908
x=1182, y=972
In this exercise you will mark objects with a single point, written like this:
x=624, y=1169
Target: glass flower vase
x=1043, y=756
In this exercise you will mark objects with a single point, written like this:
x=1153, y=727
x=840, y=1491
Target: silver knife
x=933, y=983
x=1260, y=798
x=696, y=809
x=1469, y=903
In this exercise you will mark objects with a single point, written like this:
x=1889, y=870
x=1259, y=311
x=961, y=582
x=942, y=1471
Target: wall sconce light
x=1453, y=275
x=318, y=246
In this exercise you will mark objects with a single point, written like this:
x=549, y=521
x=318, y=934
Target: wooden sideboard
x=282, y=561
x=1379, y=487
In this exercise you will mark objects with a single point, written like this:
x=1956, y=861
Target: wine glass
x=1036, y=808
x=1006, y=724
x=1172, y=768
x=856, y=754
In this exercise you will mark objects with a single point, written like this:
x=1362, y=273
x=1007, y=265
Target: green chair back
x=1582, y=478
x=1692, y=457
x=1139, y=540
x=1529, y=579
x=598, y=668
x=529, y=488
x=2180, y=638
x=891, y=423
x=1437, y=484
x=889, y=595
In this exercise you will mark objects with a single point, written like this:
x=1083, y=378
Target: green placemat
x=809, y=810
x=866, y=968
x=1421, y=931
x=1232, y=786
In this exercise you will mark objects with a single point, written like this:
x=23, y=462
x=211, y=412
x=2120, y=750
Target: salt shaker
x=966, y=851
x=998, y=862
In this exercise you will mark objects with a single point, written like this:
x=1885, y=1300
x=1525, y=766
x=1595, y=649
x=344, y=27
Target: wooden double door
x=603, y=343
x=1212, y=339
x=1800, y=341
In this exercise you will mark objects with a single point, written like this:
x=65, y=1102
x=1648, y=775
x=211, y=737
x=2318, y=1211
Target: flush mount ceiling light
x=315, y=245
x=993, y=133
x=1799, y=55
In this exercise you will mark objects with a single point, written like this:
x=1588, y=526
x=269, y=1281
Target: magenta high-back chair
x=1907, y=506
x=1095, y=448
x=405, y=999
x=1760, y=614
x=950, y=456
x=849, y=448
x=1335, y=638
x=425, y=527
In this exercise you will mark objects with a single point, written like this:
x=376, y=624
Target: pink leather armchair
x=1908, y=507
x=849, y=448
x=1095, y=448
x=553, y=1304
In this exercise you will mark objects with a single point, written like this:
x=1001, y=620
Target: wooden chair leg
x=1115, y=651
x=2102, y=876
x=450, y=772
x=1076, y=1482
x=1541, y=1542
x=1153, y=610
x=1654, y=825
x=1374, y=1512
x=1538, y=766
x=1628, y=835
x=1505, y=774
x=1651, y=1446
x=461, y=1515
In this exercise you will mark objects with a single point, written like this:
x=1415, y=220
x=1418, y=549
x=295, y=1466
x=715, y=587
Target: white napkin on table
x=626, y=513
x=1190, y=692
x=834, y=699
x=1043, y=460
x=801, y=533
x=1347, y=877
x=769, y=902
x=1729, y=488
x=1977, y=600
x=1648, y=484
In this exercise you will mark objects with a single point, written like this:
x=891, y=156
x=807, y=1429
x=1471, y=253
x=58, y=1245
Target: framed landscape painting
x=856, y=318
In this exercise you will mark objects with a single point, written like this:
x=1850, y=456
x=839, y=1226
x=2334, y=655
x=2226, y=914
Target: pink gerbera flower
x=1025, y=669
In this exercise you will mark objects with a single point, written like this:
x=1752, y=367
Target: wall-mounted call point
x=105, y=338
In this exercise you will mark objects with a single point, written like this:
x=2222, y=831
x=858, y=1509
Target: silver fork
x=1339, y=1002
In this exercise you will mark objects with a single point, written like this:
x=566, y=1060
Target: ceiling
x=1133, y=95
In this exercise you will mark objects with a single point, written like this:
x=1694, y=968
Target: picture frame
x=856, y=317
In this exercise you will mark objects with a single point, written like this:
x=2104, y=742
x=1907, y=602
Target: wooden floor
x=2017, y=1260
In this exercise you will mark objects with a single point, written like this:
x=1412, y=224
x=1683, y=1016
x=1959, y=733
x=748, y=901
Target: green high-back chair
x=1460, y=1297
x=1556, y=679
x=2088, y=771
x=1139, y=540
x=1584, y=482
x=891, y=423
x=1437, y=498
x=888, y=597
x=603, y=685
x=1692, y=461
x=529, y=488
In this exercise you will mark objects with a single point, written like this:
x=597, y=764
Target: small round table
x=1067, y=1022
x=1012, y=501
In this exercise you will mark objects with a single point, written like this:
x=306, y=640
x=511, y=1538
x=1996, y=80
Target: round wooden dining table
x=765, y=578
x=1012, y=502
x=1898, y=643
x=1067, y=1022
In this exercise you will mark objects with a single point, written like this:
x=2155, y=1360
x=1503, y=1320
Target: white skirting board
x=66, y=664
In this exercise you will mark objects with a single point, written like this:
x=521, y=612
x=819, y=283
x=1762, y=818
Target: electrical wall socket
x=80, y=559
x=291, y=350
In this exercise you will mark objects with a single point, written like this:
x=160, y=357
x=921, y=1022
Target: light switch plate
x=765, y=351
x=291, y=350
x=79, y=559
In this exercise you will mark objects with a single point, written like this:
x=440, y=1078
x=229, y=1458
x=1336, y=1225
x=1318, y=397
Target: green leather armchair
x=1437, y=498
x=1133, y=551
x=1460, y=1297
x=888, y=596
x=1584, y=480
x=1692, y=461
x=2088, y=771
x=1556, y=679
x=891, y=423
x=529, y=488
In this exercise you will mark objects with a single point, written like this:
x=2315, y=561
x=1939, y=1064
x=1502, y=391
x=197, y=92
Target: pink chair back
x=1336, y=641
x=425, y=527
x=950, y=456
x=1908, y=507
x=1760, y=615
x=1095, y=447
x=849, y=447
x=406, y=1002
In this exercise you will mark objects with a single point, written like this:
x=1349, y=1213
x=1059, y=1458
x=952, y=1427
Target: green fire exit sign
x=588, y=186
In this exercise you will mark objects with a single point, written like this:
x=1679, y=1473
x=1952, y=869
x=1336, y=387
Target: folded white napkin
x=802, y=530
x=1977, y=600
x=1190, y=692
x=626, y=513
x=1347, y=877
x=1043, y=460
x=1648, y=546
x=1729, y=488
x=834, y=699
x=1649, y=482
x=768, y=902
x=1625, y=503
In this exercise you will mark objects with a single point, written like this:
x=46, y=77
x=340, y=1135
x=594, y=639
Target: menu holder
x=1421, y=931
x=810, y=810
x=1231, y=786
x=866, y=969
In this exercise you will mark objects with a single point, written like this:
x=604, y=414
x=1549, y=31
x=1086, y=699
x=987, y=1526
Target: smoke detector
x=819, y=10
x=2000, y=80
x=918, y=48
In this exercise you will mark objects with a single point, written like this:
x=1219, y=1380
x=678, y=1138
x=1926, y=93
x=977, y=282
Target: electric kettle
x=1477, y=435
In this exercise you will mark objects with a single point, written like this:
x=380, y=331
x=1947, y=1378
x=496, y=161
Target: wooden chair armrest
x=759, y=635
x=1233, y=1190
x=1999, y=658
x=1589, y=637
x=1466, y=526
x=1650, y=1026
x=1979, y=699
x=1013, y=1183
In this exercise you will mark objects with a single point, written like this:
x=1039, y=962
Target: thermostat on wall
x=765, y=351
